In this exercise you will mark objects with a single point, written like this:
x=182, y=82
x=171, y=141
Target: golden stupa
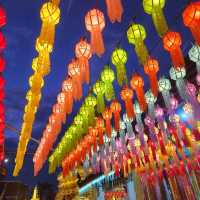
x=35, y=194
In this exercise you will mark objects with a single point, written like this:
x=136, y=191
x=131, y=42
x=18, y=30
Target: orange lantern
x=75, y=72
x=172, y=42
x=137, y=84
x=151, y=68
x=191, y=19
x=127, y=96
x=68, y=89
x=53, y=120
x=58, y=110
x=95, y=23
x=116, y=109
x=107, y=115
x=83, y=53
x=61, y=99
x=93, y=132
x=100, y=127
x=114, y=10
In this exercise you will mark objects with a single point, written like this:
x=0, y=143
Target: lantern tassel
x=116, y=120
x=78, y=84
x=129, y=108
x=154, y=84
x=177, y=58
x=142, y=52
x=100, y=103
x=141, y=99
x=109, y=93
x=121, y=74
x=196, y=33
x=69, y=103
x=108, y=128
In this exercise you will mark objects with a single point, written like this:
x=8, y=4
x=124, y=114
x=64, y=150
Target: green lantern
x=136, y=35
x=78, y=121
x=84, y=111
x=99, y=90
x=119, y=59
x=91, y=102
x=108, y=76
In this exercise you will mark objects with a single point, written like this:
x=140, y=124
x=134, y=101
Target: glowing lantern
x=172, y=42
x=137, y=84
x=164, y=87
x=53, y=121
x=78, y=121
x=127, y=97
x=136, y=35
x=178, y=75
x=100, y=127
x=91, y=102
x=84, y=111
x=61, y=99
x=191, y=19
x=128, y=121
x=138, y=114
x=150, y=99
x=114, y=10
x=83, y=53
x=2, y=64
x=67, y=88
x=155, y=9
x=119, y=59
x=95, y=23
x=107, y=116
x=58, y=110
x=108, y=76
x=2, y=17
x=75, y=72
x=93, y=132
x=116, y=109
x=36, y=82
x=151, y=68
x=2, y=42
x=99, y=90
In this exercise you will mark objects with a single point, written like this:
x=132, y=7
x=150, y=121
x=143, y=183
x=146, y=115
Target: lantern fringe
x=108, y=128
x=196, y=33
x=154, y=84
x=141, y=98
x=129, y=108
x=100, y=103
x=177, y=58
x=142, y=52
x=77, y=82
x=117, y=121
x=109, y=92
x=121, y=74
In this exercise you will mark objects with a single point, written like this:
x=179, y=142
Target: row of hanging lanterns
x=3, y=22
x=50, y=17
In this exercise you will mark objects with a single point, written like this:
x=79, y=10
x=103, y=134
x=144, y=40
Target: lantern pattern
x=116, y=109
x=136, y=35
x=50, y=16
x=137, y=85
x=172, y=43
x=191, y=20
x=83, y=53
x=108, y=76
x=155, y=9
x=2, y=84
x=114, y=10
x=119, y=59
x=95, y=23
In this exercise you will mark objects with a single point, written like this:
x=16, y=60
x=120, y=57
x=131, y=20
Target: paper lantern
x=155, y=9
x=172, y=43
x=191, y=19
x=119, y=59
x=178, y=75
x=3, y=19
x=137, y=84
x=78, y=121
x=114, y=10
x=127, y=96
x=58, y=109
x=95, y=23
x=116, y=109
x=128, y=121
x=91, y=102
x=68, y=89
x=75, y=72
x=2, y=64
x=62, y=99
x=138, y=114
x=151, y=100
x=136, y=35
x=107, y=116
x=99, y=90
x=93, y=132
x=100, y=127
x=151, y=68
x=84, y=111
x=108, y=76
x=164, y=87
x=83, y=53
x=2, y=42
x=36, y=82
x=194, y=55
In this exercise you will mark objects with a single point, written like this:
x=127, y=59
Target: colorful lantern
x=116, y=109
x=108, y=76
x=127, y=97
x=91, y=102
x=83, y=54
x=2, y=42
x=164, y=87
x=119, y=59
x=137, y=84
x=99, y=90
x=84, y=111
x=136, y=35
x=107, y=116
x=138, y=114
x=191, y=19
x=155, y=9
x=151, y=68
x=172, y=43
x=3, y=19
x=128, y=121
x=151, y=100
x=95, y=23
x=100, y=127
x=114, y=10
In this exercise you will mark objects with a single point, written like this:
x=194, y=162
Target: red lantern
x=114, y=10
x=95, y=23
x=2, y=17
x=83, y=53
x=127, y=96
x=151, y=68
x=2, y=64
x=75, y=72
x=191, y=19
x=61, y=99
x=172, y=42
x=116, y=109
x=137, y=84
x=107, y=115
x=2, y=42
x=100, y=127
x=93, y=132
